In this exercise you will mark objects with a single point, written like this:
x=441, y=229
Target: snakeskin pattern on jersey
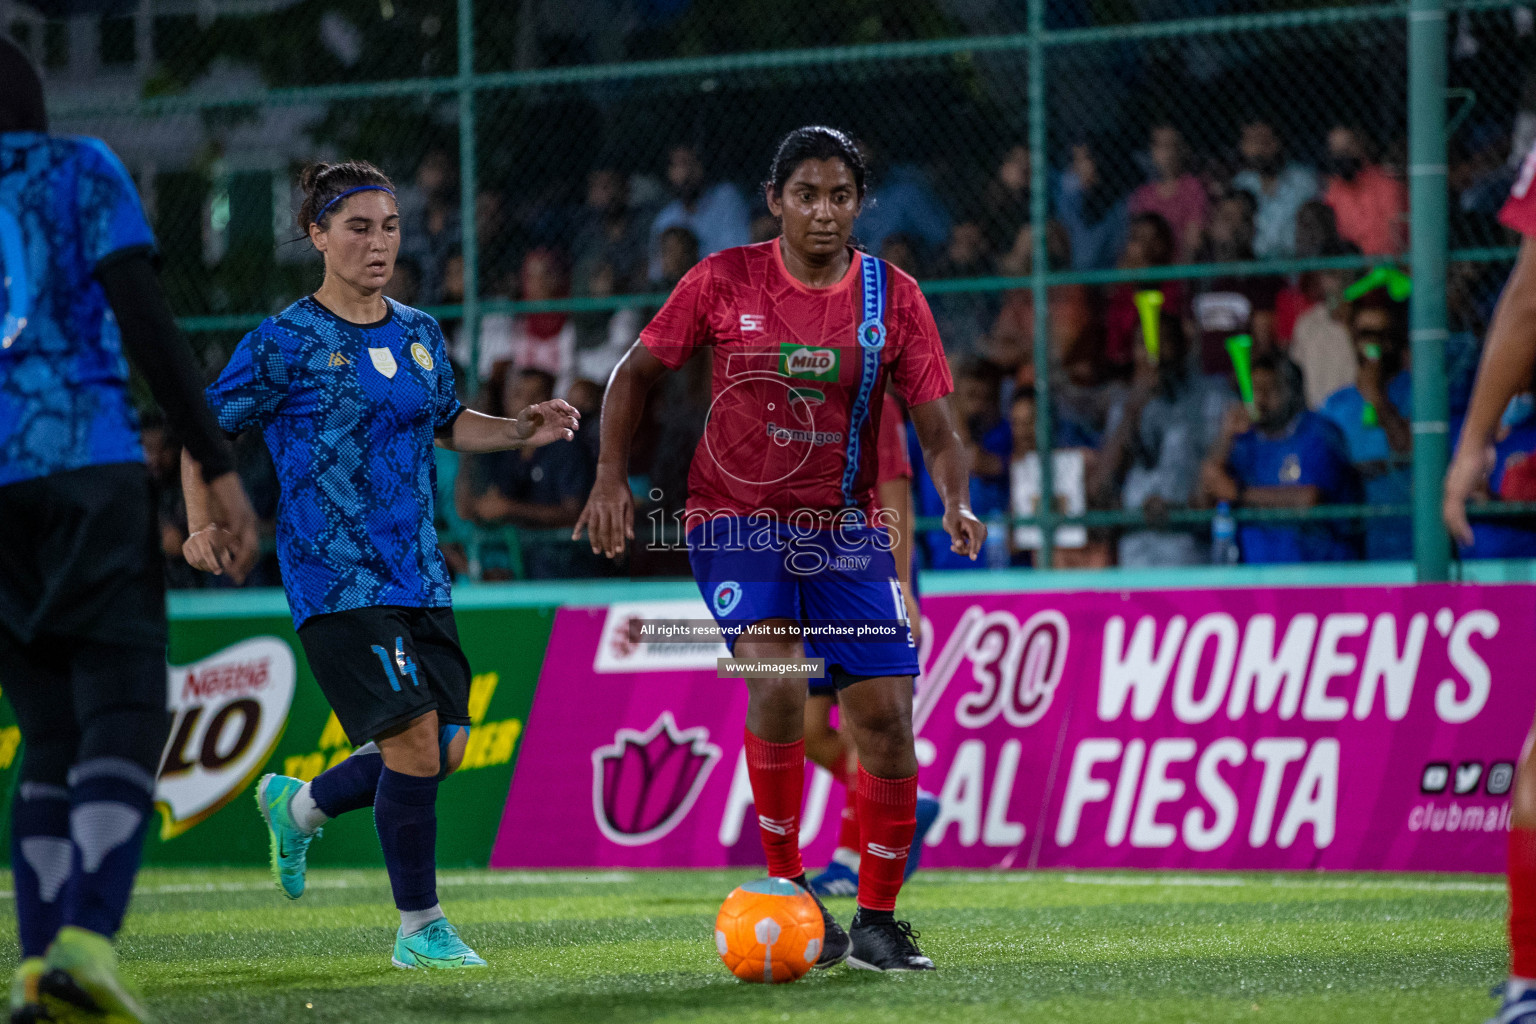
x=66, y=204
x=349, y=412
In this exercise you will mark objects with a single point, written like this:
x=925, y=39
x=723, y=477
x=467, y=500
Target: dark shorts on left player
x=382, y=666
x=749, y=571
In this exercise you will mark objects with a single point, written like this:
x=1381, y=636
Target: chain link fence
x=1204, y=148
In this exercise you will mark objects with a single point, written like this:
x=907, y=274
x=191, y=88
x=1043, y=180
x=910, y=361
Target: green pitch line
x=1122, y=948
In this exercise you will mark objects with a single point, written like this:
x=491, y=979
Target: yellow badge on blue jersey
x=422, y=356
x=383, y=361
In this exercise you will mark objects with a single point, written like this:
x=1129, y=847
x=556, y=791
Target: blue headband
x=340, y=196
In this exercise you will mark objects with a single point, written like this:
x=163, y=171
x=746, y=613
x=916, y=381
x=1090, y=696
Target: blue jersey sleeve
x=446, y=404
x=1240, y=459
x=253, y=384
x=111, y=217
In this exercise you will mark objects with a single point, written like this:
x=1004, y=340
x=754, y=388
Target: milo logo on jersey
x=230, y=710
x=808, y=363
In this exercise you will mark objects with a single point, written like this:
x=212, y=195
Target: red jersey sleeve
x=920, y=371
x=1519, y=210
x=891, y=448
x=681, y=326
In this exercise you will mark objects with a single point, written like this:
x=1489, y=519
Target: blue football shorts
x=839, y=583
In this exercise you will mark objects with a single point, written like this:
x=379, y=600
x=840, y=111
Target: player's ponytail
x=323, y=184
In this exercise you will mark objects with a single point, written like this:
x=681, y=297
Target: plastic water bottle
x=995, y=549
x=1224, y=537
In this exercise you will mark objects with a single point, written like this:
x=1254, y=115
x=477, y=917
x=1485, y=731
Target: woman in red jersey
x=783, y=535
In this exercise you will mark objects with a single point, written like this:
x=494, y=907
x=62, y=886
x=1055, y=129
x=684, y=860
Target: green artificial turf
x=209, y=947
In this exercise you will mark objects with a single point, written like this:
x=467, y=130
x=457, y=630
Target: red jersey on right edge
x=1519, y=210
x=788, y=372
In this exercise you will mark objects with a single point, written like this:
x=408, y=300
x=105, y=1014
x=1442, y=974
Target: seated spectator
x=1070, y=467
x=1224, y=306
x=677, y=251
x=1174, y=194
x=1371, y=205
x=1007, y=198
x=430, y=232
x=541, y=487
x=977, y=403
x=1512, y=478
x=1285, y=456
x=1072, y=319
x=1320, y=343
x=1279, y=188
x=1158, y=433
x=1149, y=243
x=609, y=234
x=716, y=214
x=587, y=396
x=1372, y=416
x=1317, y=234
x=1093, y=214
x=900, y=251
x=404, y=285
x=541, y=341
x=963, y=317
x=603, y=336
x=900, y=200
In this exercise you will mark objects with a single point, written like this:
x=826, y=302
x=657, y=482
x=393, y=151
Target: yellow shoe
x=25, y=1007
x=81, y=984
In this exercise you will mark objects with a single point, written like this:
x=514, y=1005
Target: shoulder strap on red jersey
x=875, y=276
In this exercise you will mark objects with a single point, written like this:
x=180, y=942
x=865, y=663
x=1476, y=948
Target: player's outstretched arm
x=475, y=432
x=609, y=515
x=945, y=457
x=221, y=526
x=1509, y=357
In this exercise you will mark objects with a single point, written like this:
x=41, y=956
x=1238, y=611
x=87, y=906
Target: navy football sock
x=349, y=785
x=110, y=800
x=405, y=814
x=41, y=858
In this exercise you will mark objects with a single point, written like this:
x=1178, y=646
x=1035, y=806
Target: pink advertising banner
x=1368, y=728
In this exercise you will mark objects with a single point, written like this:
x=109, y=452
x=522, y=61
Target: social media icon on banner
x=1436, y=777
x=1501, y=778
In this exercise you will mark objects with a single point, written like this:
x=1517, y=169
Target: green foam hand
x=1150, y=304
x=1398, y=284
x=1240, y=348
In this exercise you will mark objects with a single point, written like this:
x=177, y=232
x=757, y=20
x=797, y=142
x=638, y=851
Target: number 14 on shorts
x=407, y=666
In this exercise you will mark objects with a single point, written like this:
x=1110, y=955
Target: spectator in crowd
x=430, y=231
x=1370, y=415
x=1320, y=343
x=1071, y=466
x=1225, y=306
x=901, y=252
x=1173, y=194
x=1285, y=456
x=964, y=317
x=1149, y=243
x=1093, y=214
x=531, y=488
x=1007, y=198
x=610, y=236
x=1371, y=205
x=984, y=432
x=1158, y=433
x=900, y=200
x=1317, y=234
x=1480, y=178
x=677, y=251
x=543, y=341
x=716, y=214
x=1279, y=188
x=1512, y=478
x=587, y=396
x=603, y=336
x=405, y=284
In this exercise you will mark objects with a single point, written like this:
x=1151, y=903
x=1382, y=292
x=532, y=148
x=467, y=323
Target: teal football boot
x=289, y=843
x=435, y=947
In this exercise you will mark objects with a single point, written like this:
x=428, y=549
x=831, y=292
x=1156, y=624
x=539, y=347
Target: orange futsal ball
x=769, y=930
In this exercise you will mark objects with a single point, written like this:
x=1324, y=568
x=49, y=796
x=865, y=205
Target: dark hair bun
x=321, y=183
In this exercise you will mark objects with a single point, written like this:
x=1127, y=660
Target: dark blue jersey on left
x=349, y=412
x=66, y=205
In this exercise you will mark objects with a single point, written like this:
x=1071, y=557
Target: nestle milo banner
x=245, y=703
x=1338, y=728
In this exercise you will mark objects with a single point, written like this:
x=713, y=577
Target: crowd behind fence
x=563, y=164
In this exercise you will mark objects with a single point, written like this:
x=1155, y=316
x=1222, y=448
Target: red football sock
x=1522, y=902
x=888, y=814
x=777, y=773
x=848, y=833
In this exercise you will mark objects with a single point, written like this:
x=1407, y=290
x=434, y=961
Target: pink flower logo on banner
x=645, y=783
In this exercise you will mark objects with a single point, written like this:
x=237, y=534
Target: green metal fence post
x=1039, y=217
x=468, y=187
x=1428, y=244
